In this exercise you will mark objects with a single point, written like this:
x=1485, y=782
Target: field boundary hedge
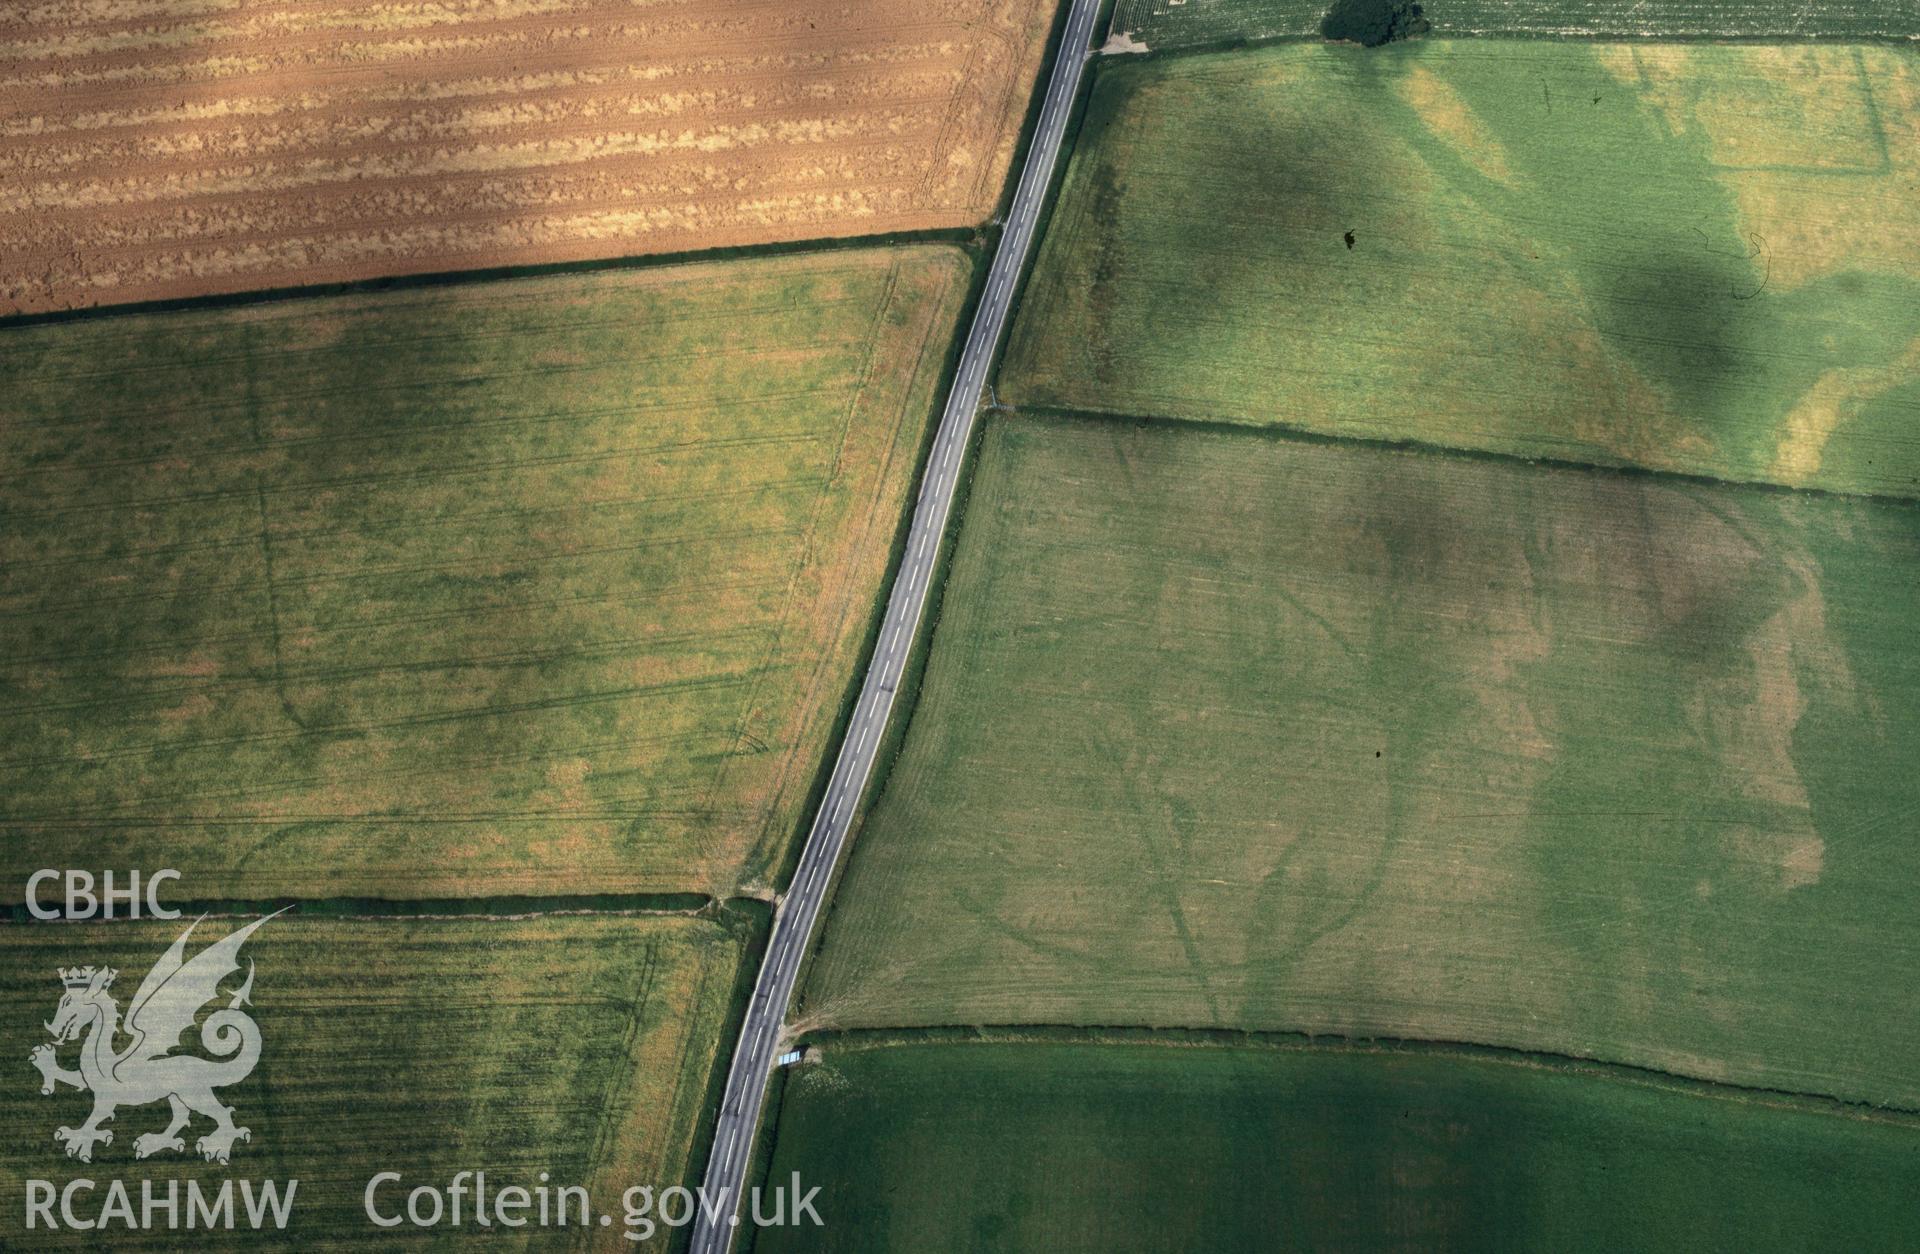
x=1278, y=1041
x=965, y=237
x=1288, y=433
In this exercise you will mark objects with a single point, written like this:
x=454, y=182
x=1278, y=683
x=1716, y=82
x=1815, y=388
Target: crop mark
x=1756, y=247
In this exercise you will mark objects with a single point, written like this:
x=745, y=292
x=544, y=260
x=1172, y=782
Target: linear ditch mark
x=495, y=908
x=1288, y=433
x=1291, y=1041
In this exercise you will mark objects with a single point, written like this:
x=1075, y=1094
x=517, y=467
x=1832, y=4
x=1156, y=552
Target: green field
x=1224, y=728
x=582, y=1047
x=921, y=1148
x=1702, y=259
x=550, y=585
x=1164, y=24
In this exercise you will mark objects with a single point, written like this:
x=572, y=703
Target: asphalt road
x=797, y=912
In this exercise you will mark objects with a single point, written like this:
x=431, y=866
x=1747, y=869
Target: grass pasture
x=1692, y=258
x=581, y=1047
x=1230, y=729
x=1166, y=24
x=546, y=586
x=1067, y=1147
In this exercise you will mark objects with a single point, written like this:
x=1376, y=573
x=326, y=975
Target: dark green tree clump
x=1373, y=22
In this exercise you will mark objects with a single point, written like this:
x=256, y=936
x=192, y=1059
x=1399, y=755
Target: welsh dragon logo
x=147, y=1070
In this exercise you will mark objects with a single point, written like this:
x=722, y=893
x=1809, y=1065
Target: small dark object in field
x=1349, y=238
x=1373, y=22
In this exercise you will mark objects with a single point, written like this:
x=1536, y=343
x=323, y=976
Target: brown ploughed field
x=172, y=148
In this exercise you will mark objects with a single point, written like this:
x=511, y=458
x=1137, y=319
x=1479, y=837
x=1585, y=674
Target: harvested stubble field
x=1229, y=729
x=581, y=1047
x=924, y=1148
x=1162, y=24
x=1704, y=259
x=192, y=146
x=546, y=586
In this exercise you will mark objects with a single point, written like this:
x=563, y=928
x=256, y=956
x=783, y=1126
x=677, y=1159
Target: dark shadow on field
x=1682, y=305
x=1619, y=606
x=1417, y=541
x=1609, y=205
x=1684, y=316
x=1583, y=276
x=1285, y=199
